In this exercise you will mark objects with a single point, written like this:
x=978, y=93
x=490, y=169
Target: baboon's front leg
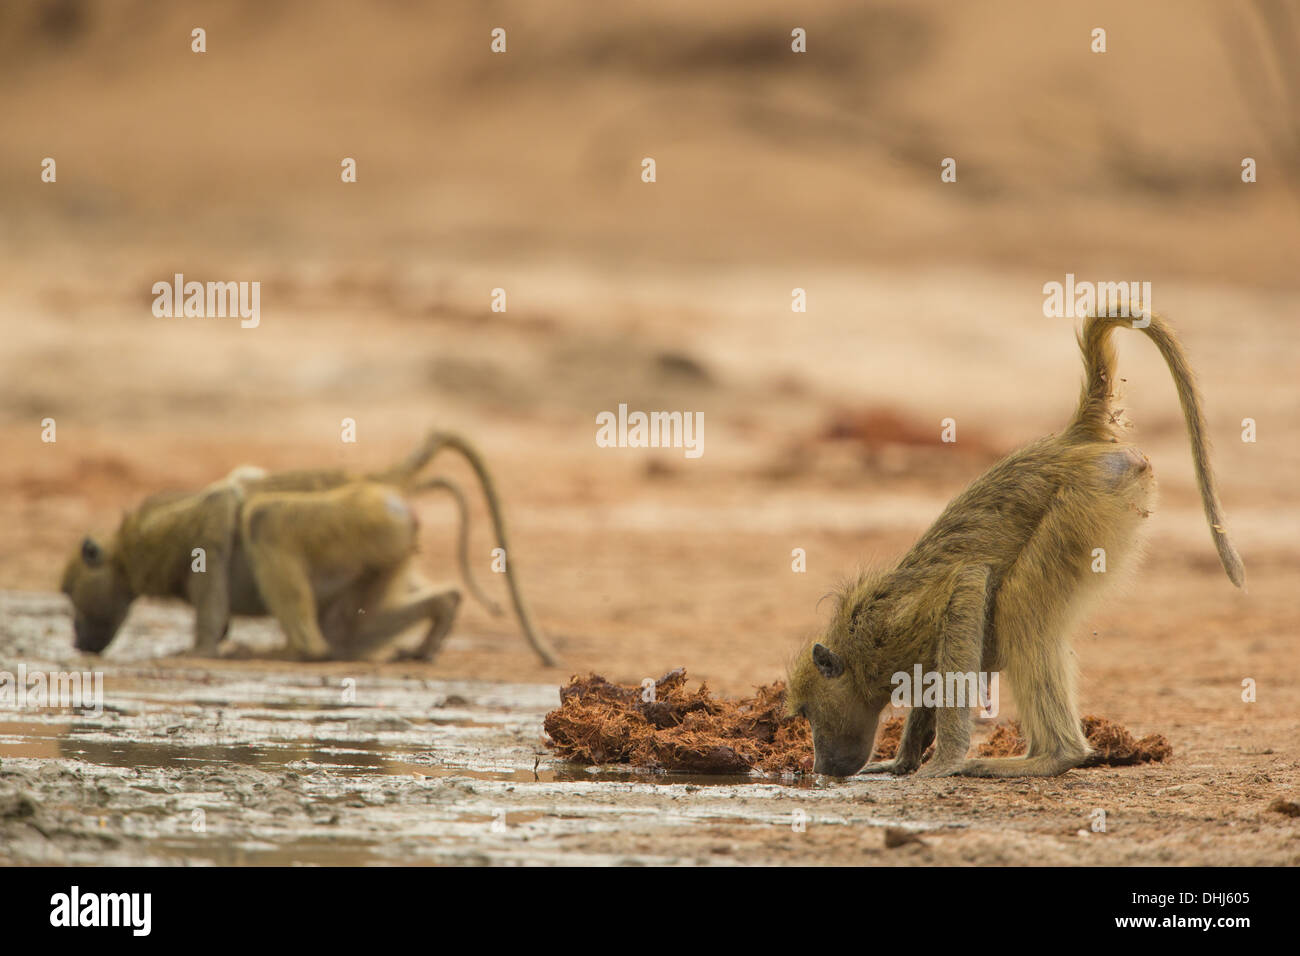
x=960, y=647
x=209, y=592
x=918, y=731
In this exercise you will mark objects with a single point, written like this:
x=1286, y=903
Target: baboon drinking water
x=995, y=585
x=328, y=553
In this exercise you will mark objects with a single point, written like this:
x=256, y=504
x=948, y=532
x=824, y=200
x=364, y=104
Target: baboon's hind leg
x=322, y=560
x=1038, y=602
x=389, y=608
x=1049, y=718
x=285, y=587
x=440, y=608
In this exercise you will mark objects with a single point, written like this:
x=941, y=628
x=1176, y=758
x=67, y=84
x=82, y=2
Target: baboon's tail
x=1094, y=419
x=404, y=474
x=462, y=537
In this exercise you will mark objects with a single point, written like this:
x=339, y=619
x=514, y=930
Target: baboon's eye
x=90, y=552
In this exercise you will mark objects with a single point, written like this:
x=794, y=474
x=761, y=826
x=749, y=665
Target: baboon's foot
x=1047, y=765
x=942, y=768
x=199, y=653
x=896, y=767
x=235, y=651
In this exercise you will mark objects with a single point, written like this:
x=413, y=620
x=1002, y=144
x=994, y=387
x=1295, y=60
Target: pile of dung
x=1112, y=745
x=1005, y=741
x=676, y=729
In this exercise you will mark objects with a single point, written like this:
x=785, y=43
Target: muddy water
x=215, y=762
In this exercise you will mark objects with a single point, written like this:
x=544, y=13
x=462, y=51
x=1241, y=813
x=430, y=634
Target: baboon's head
x=823, y=688
x=100, y=595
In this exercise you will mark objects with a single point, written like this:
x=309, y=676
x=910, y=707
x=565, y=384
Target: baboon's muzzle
x=837, y=768
x=837, y=763
x=92, y=636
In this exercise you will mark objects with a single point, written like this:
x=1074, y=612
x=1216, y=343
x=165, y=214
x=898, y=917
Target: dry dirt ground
x=923, y=305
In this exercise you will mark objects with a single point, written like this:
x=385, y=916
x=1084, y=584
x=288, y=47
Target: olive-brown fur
x=997, y=583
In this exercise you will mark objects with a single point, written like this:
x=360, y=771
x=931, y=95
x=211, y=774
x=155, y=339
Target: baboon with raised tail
x=996, y=584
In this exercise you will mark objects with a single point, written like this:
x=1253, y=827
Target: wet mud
x=203, y=762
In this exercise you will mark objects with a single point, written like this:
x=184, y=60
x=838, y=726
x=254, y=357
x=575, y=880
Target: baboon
x=995, y=585
x=328, y=553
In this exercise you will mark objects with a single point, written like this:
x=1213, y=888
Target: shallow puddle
x=220, y=766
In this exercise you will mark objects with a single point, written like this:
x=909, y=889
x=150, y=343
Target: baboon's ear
x=828, y=662
x=92, y=553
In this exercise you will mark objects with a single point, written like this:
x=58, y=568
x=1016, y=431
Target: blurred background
x=775, y=171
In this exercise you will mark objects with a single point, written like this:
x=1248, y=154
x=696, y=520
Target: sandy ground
x=641, y=561
x=522, y=174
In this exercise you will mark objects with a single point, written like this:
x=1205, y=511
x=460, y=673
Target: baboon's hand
x=895, y=767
